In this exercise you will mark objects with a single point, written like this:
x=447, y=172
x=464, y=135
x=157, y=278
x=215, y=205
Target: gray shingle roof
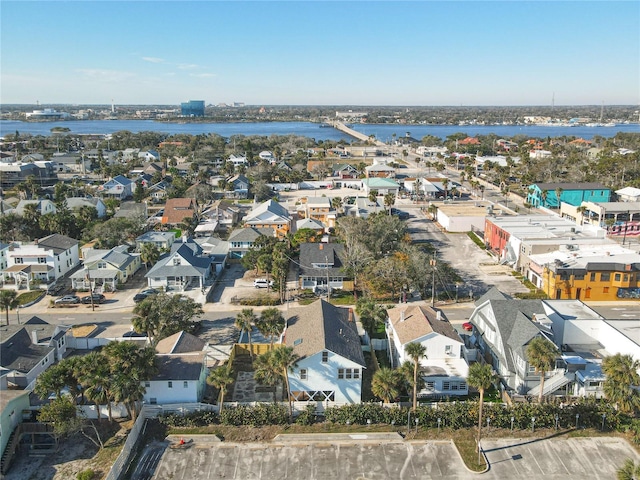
x=322, y=326
x=181, y=342
x=249, y=234
x=179, y=367
x=320, y=253
x=16, y=350
x=58, y=243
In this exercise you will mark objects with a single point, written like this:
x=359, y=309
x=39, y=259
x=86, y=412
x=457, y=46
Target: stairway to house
x=559, y=380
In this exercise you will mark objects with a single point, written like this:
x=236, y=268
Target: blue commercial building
x=193, y=108
x=546, y=194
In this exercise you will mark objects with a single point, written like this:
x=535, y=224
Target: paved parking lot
x=386, y=456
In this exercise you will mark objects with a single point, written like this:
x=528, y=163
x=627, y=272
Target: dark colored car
x=68, y=300
x=138, y=297
x=399, y=213
x=97, y=298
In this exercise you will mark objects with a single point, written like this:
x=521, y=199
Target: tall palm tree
x=621, y=373
x=245, y=321
x=389, y=200
x=286, y=360
x=266, y=372
x=8, y=301
x=558, y=192
x=385, y=384
x=270, y=324
x=220, y=378
x=416, y=351
x=542, y=356
x=480, y=377
x=336, y=203
x=96, y=381
x=149, y=254
x=445, y=184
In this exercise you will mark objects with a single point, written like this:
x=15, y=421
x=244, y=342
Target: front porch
x=25, y=276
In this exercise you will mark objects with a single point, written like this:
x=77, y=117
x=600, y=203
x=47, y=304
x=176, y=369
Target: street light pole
x=86, y=271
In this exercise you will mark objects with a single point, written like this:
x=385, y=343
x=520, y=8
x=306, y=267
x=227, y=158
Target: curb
x=486, y=461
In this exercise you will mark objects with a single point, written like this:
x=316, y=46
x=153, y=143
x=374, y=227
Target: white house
x=184, y=266
x=43, y=206
x=331, y=361
x=238, y=161
x=241, y=240
x=119, y=187
x=162, y=240
x=28, y=350
x=182, y=373
x=444, y=368
x=76, y=203
x=629, y=194
x=46, y=260
x=270, y=214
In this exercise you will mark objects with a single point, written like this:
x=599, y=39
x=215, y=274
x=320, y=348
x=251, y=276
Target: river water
x=384, y=132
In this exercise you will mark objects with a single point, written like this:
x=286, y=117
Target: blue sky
x=321, y=53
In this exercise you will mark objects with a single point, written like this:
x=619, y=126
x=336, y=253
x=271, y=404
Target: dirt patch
x=82, y=331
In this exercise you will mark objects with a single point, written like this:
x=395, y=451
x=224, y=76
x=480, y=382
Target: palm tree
x=96, y=381
x=8, y=301
x=621, y=373
x=286, y=360
x=480, y=377
x=149, y=254
x=245, y=321
x=416, y=351
x=629, y=471
x=445, y=184
x=220, y=378
x=582, y=209
x=266, y=372
x=385, y=384
x=270, y=324
x=542, y=356
x=389, y=200
x=558, y=192
x=373, y=197
x=336, y=203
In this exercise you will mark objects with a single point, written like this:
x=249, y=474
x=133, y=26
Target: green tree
x=622, y=376
x=371, y=315
x=286, y=360
x=266, y=372
x=245, y=321
x=8, y=301
x=542, y=356
x=389, y=200
x=149, y=254
x=629, y=471
x=386, y=384
x=96, y=380
x=270, y=324
x=52, y=380
x=415, y=351
x=162, y=315
x=480, y=377
x=62, y=413
x=220, y=378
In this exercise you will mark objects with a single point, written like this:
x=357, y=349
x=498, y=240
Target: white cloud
x=202, y=75
x=153, y=59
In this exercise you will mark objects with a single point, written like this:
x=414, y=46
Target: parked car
x=68, y=300
x=399, y=213
x=138, y=297
x=468, y=326
x=262, y=283
x=97, y=298
x=55, y=290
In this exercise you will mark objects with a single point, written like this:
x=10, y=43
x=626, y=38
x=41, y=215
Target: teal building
x=550, y=195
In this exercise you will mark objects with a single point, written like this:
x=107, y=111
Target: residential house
x=176, y=210
x=44, y=261
x=158, y=191
x=225, y=213
x=331, y=361
x=43, y=206
x=76, y=203
x=267, y=156
x=132, y=210
x=14, y=173
x=311, y=224
x=71, y=162
x=502, y=329
x=380, y=185
x=119, y=187
x=270, y=214
x=217, y=250
x=344, y=171
x=184, y=266
x=380, y=171
x=238, y=161
x=242, y=240
x=12, y=405
x=182, y=372
x=149, y=156
x=546, y=194
x=444, y=367
x=153, y=168
x=28, y=350
x=321, y=263
x=363, y=207
x=628, y=194
x=318, y=208
x=129, y=154
x=162, y=240
x=4, y=252
x=240, y=185
x=105, y=269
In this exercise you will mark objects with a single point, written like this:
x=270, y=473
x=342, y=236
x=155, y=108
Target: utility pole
x=432, y=262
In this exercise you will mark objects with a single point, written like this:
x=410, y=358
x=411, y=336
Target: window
x=463, y=385
x=605, y=277
x=325, y=357
x=185, y=384
x=605, y=290
x=170, y=384
x=579, y=276
x=446, y=385
x=532, y=369
x=431, y=386
x=592, y=277
x=176, y=261
x=42, y=259
x=340, y=373
x=303, y=374
x=617, y=277
x=19, y=260
x=147, y=384
x=356, y=373
x=454, y=385
x=153, y=401
x=448, y=349
x=102, y=264
x=347, y=373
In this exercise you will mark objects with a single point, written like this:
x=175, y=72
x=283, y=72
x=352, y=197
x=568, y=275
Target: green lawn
x=28, y=297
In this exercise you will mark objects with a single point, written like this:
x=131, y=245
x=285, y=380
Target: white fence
x=117, y=411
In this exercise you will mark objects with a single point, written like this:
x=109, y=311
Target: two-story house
x=546, y=194
x=162, y=240
x=321, y=263
x=184, y=266
x=182, y=372
x=331, y=361
x=318, y=208
x=443, y=368
x=176, y=210
x=43, y=206
x=240, y=186
x=44, y=261
x=270, y=214
x=241, y=240
x=76, y=203
x=119, y=187
x=105, y=269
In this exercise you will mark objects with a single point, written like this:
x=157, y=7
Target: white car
x=262, y=283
